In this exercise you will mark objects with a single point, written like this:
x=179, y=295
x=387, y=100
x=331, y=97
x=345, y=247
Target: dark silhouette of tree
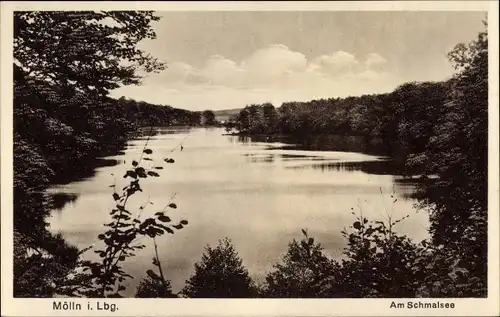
x=65, y=63
x=457, y=153
x=220, y=274
x=152, y=287
x=301, y=271
x=208, y=117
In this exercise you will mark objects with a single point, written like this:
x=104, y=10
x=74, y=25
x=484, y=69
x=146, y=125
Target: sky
x=226, y=60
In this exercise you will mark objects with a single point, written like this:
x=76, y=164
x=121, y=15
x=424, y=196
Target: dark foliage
x=152, y=287
x=301, y=271
x=64, y=65
x=208, y=117
x=220, y=274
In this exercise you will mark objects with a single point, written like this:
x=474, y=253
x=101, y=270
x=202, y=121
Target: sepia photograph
x=250, y=154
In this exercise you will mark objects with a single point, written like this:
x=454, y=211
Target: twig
x=385, y=208
x=146, y=144
x=163, y=281
x=169, y=201
x=180, y=143
x=141, y=208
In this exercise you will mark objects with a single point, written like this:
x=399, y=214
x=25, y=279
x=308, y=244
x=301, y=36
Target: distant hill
x=221, y=115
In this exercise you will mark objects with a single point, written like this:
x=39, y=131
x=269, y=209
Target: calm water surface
x=258, y=194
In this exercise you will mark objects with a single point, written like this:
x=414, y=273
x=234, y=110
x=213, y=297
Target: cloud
x=337, y=63
x=274, y=73
x=220, y=70
x=275, y=61
x=374, y=61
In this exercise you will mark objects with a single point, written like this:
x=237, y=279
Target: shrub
x=220, y=274
x=154, y=287
x=301, y=271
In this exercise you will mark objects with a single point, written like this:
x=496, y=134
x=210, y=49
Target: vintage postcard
x=250, y=158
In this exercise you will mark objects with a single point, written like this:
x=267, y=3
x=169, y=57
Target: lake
x=258, y=192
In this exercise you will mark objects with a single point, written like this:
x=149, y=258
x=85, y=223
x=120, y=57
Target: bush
x=153, y=287
x=220, y=274
x=301, y=271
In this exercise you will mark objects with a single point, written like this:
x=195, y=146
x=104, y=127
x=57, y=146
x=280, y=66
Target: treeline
x=146, y=114
x=403, y=119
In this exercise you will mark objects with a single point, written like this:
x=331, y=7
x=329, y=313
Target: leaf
x=134, y=163
x=141, y=172
x=304, y=232
x=311, y=241
x=357, y=225
x=159, y=167
x=152, y=275
x=111, y=185
x=163, y=218
x=116, y=196
x=151, y=173
x=178, y=227
x=131, y=174
x=148, y=151
x=172, y=205
x=147, y=159
x=101, y=237
x=169, y=230
x=169, y=160
x=121, y=258
x=184, y=222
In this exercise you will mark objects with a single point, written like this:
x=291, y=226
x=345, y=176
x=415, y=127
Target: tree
x=208, y=117
x=301, y=271
x=153, y=287
x=65, y=63
x=87, y=51
x=243, y=120
x=220, y=274
x=457, y=154
x=270, y=118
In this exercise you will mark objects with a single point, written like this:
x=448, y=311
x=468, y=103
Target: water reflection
x=260, y=159
x=357, y=144
x=104, y=162
x=378, y=167
x=60, y=199
x=154, y=131
x=87, y=170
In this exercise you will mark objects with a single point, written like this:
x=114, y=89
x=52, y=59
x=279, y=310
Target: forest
x=65, y=65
